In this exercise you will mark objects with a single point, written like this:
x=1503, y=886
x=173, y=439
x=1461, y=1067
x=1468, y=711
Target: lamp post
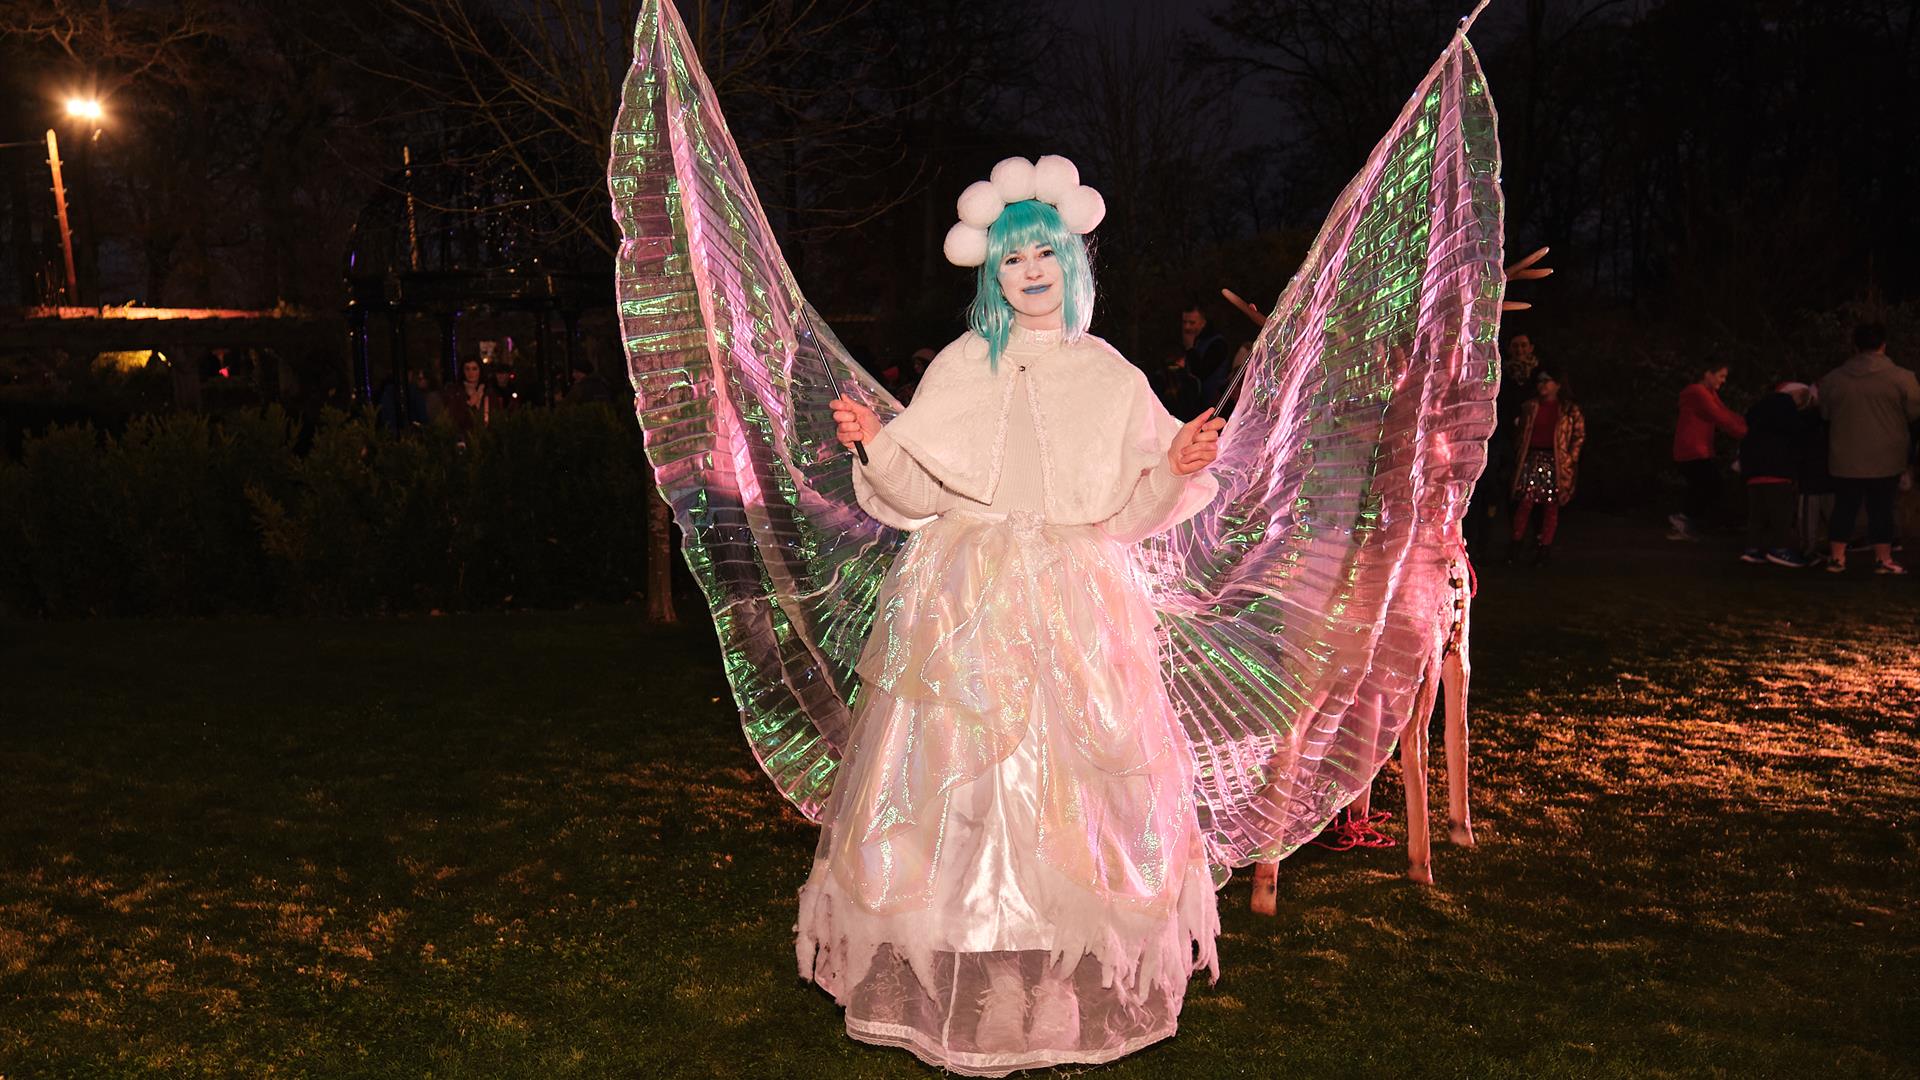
x=60, y=210
x=83, y=109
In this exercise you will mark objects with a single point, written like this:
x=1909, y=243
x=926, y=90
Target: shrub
x=182, y=515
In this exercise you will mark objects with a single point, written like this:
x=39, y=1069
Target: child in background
x=1551, y=433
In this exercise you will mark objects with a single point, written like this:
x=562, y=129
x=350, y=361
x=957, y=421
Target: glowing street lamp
x=80, y=108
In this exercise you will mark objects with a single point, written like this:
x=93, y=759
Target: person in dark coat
x=588, y=387
x=1205, y=355
x=505, y=398
x=467, y=403
x=423, y=401
x=1771, y=456
x=1813, y=485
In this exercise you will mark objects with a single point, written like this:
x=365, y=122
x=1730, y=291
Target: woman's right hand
x=1196, y=444
x=854, y=422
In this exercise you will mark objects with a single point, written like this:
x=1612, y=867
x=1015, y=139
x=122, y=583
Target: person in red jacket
x=1701, y=411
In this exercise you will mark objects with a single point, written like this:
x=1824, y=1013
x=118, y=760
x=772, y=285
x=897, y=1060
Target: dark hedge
x=183, y=515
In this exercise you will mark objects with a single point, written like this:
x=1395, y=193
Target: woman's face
x=470, y=371
x=1715, y=379
x=1030, y=280
x=1548, y=388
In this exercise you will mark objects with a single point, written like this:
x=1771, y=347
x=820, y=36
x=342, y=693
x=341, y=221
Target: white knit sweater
x=1071, y=432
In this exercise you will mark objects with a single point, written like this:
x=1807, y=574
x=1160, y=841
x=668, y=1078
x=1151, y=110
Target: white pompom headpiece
x=1053, y=180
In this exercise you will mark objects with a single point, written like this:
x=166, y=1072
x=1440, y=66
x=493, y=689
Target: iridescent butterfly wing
x=1302, y=608
x=733, y=370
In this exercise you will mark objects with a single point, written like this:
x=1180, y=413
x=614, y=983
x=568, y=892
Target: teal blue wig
x=1020, y=224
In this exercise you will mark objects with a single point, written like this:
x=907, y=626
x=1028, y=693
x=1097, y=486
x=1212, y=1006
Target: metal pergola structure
x=443, y=243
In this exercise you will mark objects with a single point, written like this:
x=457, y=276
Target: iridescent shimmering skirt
x=1010, y=874
x=1539, y=482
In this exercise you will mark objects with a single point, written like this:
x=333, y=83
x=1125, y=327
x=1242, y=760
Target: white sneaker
x=1056, y=1016
x=1003, y=1017
x=1678, y=521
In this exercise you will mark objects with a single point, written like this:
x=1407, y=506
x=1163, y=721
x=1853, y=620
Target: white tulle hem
x=992, y=1064
x=1121, y=977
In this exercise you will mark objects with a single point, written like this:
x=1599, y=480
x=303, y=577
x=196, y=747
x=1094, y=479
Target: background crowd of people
x=1812, y=456
x=489, y=387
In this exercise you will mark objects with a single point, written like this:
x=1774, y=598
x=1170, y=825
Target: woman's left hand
x=1197, y=444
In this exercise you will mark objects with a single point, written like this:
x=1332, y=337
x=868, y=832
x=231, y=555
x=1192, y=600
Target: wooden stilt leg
x=1277, y=796
x=1367, y=710
x=1413, y=774
x=1458, y=671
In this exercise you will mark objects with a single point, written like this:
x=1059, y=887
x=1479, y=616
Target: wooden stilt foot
x=1266, y=887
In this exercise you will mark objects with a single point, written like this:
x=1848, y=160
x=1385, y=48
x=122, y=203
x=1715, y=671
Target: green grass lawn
x=535, y=845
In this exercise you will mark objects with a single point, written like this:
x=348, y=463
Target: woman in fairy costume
x=1010, y=872
x=941, y=656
